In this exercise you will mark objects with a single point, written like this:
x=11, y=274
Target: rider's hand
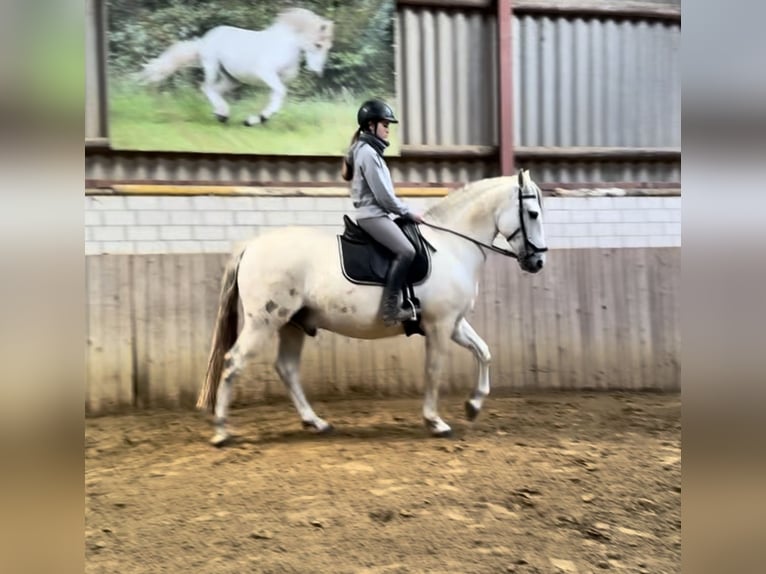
x=416, y=217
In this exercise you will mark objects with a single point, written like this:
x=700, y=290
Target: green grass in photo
x=182, y=119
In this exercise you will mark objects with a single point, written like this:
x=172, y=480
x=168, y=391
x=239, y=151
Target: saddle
x=364, y=261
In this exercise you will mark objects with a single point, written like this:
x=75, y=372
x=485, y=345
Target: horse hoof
x=221, y=118
x=471, y=412
x=254, y=121
x=439, y=429
x=220, y=439
x=318, y=429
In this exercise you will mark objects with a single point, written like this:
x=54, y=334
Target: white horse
x=229, y=55
x=290, y=283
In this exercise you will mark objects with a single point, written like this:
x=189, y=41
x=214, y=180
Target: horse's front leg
x=465, y=336
x=278, y=91
x=437, y=339
x=213, y=88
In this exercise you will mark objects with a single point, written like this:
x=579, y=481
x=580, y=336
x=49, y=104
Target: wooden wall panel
x=109, y=334
x=593, y=319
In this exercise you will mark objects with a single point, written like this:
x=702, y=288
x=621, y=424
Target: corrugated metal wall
x=596, y=82
x=447, y=64
x=604, y=171
x=110, y=166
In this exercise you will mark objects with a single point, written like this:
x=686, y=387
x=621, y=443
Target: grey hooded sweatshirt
x=372, y=190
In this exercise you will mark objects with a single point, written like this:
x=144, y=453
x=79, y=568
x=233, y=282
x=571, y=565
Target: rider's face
x=382, y=130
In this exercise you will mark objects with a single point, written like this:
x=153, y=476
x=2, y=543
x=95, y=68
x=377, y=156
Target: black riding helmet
x=374, y=111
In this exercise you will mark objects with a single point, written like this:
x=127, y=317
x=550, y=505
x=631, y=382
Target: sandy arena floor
x=561, y=482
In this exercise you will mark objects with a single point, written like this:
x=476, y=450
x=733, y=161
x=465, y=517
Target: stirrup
x=413, y=310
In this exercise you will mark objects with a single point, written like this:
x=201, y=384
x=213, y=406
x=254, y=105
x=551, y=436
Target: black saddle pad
x=365, y=261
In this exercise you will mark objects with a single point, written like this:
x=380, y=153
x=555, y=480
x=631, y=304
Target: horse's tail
x=224, y=333
x=180, y=54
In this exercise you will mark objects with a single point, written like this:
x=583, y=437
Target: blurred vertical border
x=42, y=286
x=723, y=286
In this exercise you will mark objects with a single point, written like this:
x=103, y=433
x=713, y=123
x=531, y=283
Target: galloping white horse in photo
x=230, y=55
x=290, y=283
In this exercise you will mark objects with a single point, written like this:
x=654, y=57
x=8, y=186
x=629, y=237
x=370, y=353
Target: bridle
x=530, y=249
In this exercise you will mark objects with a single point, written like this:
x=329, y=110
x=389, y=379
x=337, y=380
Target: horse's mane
x=305, y=21
x=461, y=197
x=469, y=193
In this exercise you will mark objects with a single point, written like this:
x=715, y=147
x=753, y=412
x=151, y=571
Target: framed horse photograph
x=233, y=76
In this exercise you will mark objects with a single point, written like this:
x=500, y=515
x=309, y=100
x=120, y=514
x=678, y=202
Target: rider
x=372, y=192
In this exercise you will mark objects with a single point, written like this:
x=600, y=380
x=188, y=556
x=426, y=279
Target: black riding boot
x=397, y=273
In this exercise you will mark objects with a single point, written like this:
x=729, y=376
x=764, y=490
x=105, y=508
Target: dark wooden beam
x=505, y=77
x=448, y=4
x=598, y=153
x=100, y=147
x=448, y=152
x=101, y=144
x=102, y=43
x=572, y=8
x=599, y=9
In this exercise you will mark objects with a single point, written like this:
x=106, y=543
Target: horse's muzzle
x=532, y=263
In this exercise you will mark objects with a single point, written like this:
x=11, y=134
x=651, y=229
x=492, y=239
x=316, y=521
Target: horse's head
x=315, y=32
x=317, y=49
x=520, y=221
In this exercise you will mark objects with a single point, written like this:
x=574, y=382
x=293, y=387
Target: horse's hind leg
x=465, y=336
x=288, y=366
x=437, y=339
x=213, y=88
x=250, y=339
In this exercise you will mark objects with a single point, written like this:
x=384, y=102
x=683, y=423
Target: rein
x=476, y=242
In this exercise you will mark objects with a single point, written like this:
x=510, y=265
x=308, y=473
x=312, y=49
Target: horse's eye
x=318, y=46
x=534, y=214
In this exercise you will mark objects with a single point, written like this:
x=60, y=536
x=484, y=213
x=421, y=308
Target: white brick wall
x=210, y=224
